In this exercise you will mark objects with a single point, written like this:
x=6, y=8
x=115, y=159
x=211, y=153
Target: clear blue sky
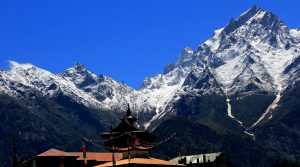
x=126, y=40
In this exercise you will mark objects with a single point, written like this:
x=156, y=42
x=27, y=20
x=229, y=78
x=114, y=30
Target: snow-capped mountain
x=242, y=81
x=255, y=53
x=109, y=93
x=259, y=42
x=22, y=79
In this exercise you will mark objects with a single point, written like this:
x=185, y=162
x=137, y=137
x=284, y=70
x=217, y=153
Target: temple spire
x=128, y=111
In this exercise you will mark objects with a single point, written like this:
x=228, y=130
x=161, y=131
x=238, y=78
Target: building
x=218, y=159
x=127, y=138
x=58, y=158
x=133, y=143
x=128, y=146
x=51, y=158
x=96, y=158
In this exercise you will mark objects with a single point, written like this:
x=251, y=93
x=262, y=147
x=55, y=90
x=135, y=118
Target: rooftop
x=97, y=156
x=141, y=161
x=54, y=152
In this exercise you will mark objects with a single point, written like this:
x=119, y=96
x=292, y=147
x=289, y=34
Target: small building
x=58, y=158
x=51, y=158
x=218, y=159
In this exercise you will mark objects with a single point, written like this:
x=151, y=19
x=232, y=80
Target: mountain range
x=237, y=92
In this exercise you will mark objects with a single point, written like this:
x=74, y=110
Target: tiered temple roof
x=126, y=136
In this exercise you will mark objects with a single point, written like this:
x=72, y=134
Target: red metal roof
x=97, y=156
x=100, y=157
x=54, y=152
x=141, y=161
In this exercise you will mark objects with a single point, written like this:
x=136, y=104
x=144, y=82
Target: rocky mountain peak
x=80, y=67
x=80, y=75
x=254, y=22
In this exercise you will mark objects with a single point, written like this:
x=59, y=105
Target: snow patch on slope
x=270, y=109
x=160, y=95
x=229, y=111
x=214, y=42
x=295, y=33
x=230, y=70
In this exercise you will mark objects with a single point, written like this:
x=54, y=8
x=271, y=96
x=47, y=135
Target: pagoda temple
x=127, y=137
x=129, y=146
